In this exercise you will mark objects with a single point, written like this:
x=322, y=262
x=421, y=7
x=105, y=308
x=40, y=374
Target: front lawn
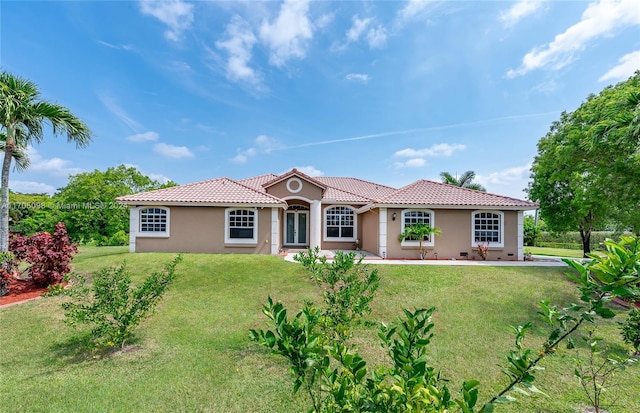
x=194, y=355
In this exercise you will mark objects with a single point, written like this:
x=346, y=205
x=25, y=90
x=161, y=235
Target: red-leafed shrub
x=48, y=255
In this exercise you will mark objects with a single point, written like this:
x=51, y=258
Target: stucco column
x=520, y=236
x=275, y=232
x=382, y=250
x=133, y=227
x=315, y=239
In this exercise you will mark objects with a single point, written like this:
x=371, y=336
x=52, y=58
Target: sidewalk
x=539, y=261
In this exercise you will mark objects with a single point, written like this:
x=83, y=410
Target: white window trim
x=152, y=234
x=228, y=239
x=416, y=243
x=474, y=243
x=339, y=239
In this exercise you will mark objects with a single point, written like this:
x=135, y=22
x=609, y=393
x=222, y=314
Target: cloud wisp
x=627, y=65
x=598, y=20
x=177, y=15
x=519, y=11
x=262, y=144
x=172, y=151
x=417, y=156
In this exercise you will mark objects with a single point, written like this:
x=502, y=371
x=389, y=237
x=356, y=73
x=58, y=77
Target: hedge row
x=572, y=240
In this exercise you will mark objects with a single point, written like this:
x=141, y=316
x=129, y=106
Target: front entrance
x=296, y=228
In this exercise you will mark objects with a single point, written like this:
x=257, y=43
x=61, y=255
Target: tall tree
x=465, y=180
x=87, y=203
x=587, y=165
x=23, y=115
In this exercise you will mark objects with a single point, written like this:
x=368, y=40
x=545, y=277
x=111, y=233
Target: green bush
x=572, y=240
x=111, y=306
x=630, y=329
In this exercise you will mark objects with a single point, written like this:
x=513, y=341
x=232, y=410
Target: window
x=488, y=227
x=340, y=223
x=241, y=226
x=154, y=220
x=415, y=216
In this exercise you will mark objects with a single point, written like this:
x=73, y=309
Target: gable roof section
x=220, y=191
x=257, y=182
x=436, y=194
x=296, y=173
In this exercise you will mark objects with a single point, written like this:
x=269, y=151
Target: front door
x=296, y=228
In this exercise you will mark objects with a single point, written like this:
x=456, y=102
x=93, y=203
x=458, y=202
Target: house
x=268, y=213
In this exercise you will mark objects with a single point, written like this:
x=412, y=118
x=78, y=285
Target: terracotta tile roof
x=363, y=190
x=425, y=192
x=214, y=191
x=251, y=191
x=257, y=182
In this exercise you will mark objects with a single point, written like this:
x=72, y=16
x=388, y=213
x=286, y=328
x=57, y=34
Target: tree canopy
x=587, y=169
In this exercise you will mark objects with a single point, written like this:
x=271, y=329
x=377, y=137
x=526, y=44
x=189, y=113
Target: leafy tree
x=531, y=231
x=31, y=213
x=22, y=116
x=464, y=181
x=87, y=203
x=613, y=144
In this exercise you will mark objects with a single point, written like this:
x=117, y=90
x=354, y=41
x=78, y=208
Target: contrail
x=408, y=131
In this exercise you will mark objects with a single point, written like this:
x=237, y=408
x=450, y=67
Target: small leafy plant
x=596, y=373
x=483, y=250
x=419, y=232
x=111, y=306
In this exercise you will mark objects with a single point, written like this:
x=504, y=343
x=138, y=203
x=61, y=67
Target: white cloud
x=262, y=144
x=52, y=166
x=440, y=149
x=411, y=163
x=627, y=65
x=288, y=34
x=150, y=136
x=239, y=43
x=413, y=8
x=173, y=152
x=358, y=77
x=308, y=170
x=375, y=37
x=508, y=182
x=357, y=28
x=176, y=14
x=519, y=10
x=31, y=187
x=599, y=19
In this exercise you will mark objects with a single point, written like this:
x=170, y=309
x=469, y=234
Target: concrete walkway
x=369, y=258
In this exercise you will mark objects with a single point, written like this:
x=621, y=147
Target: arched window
x=340, y=223
x=487, y=227
x=415, y=216
x=241, y=226
x=154, y=220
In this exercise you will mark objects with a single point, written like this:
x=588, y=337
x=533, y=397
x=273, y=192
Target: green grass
x=193, y=354
x=555, y=252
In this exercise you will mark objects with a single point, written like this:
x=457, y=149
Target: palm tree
x=419, y=231
x=465, y=180
x=22, y=117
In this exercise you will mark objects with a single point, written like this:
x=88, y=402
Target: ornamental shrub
x=48, y=255
x=630, y=330
x=111, y=306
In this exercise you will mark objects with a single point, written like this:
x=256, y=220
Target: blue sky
x=389, y=92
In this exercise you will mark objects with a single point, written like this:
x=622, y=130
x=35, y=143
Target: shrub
x=111, y=306
x=48, y=255
x=630, y=330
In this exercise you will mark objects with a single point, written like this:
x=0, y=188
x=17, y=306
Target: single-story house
x=270, y=213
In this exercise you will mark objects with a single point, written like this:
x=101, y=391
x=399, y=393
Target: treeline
x=86, y=205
